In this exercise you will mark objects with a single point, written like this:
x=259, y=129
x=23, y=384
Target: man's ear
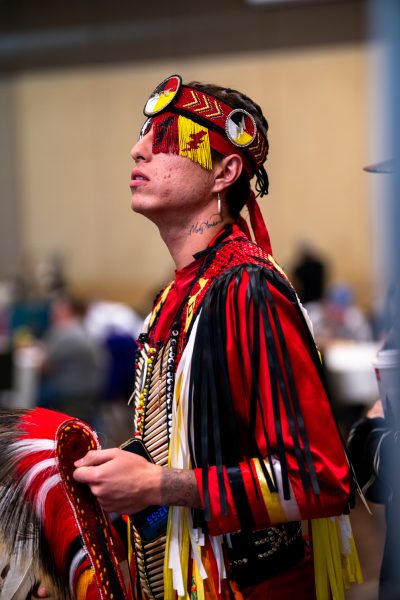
x=227, y=171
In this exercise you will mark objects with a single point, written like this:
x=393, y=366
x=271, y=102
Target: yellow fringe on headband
x=194, y=142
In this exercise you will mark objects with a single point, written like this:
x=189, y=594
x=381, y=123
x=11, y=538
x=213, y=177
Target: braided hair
x=239, y=191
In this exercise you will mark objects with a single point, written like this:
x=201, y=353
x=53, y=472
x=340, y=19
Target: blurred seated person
x=309, y=274
x=338, y=317
x=116, y=327
x=104, y=318
x=374, y=448
x=71, y=374
x=374, y=451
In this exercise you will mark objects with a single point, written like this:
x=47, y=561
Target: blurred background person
x=309, y=273
x=72, y=371
x=29, y=311
x=339, y=317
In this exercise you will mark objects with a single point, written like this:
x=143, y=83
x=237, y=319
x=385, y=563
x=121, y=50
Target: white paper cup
x=386, y=365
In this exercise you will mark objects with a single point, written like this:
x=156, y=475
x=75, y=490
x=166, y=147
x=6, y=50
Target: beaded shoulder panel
x=234, y=251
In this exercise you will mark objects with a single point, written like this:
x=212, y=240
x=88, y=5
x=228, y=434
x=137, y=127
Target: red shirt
x=325, y=445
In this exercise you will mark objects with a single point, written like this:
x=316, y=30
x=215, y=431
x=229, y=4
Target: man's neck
x=184, y=242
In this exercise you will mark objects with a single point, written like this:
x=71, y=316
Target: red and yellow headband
x=191, y=122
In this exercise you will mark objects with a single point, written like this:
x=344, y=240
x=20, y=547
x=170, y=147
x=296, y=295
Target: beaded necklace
x=146, y=353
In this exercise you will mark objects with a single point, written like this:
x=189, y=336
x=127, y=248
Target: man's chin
x=144, y=209
x=137, y=206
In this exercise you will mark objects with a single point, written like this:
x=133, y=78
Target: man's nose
x=142, y=149
x=135, y=150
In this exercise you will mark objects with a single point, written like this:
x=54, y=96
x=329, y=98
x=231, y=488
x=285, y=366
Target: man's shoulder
x=239, y=267
x=240, y=256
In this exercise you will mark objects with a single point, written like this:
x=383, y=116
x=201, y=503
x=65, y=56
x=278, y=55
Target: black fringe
x=217, y=435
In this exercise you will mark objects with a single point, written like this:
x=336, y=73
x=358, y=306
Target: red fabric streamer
x=243, y=226
x=258, y=224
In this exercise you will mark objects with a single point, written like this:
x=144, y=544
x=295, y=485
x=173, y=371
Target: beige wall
x=9, y=196
x=75, y=129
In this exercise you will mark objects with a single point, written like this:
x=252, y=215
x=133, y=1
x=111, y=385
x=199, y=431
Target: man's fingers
x=85, y=475
x=376, y=410
x=96, y=457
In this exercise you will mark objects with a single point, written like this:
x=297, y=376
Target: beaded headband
x=191, y=122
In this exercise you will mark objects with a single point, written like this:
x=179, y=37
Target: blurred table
x=349, y=371
x=27, y=361
x=21, y=388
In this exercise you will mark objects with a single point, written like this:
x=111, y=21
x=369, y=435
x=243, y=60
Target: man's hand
x=126, y=483
x=123, y=482
x=376, y=410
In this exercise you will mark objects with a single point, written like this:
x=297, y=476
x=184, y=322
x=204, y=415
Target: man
x=73, y=361
x=310, y=273
x=374, y=441
x=234, y=432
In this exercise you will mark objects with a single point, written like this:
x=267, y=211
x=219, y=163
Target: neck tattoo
x=202, y=226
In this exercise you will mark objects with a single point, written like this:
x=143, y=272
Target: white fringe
x=33, y=445
x=216, y=543
x=42, y=494
x=346, y=533
x=76, y=561
x=290, y=507
x=48, y=463
x=180, y=459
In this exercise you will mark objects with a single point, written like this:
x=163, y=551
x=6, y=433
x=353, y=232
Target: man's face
x=168, y=185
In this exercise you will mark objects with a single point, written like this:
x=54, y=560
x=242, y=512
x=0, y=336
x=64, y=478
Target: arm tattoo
x=200, y=228
x=179, y=488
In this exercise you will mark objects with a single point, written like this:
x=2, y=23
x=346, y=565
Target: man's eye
x=145, y=129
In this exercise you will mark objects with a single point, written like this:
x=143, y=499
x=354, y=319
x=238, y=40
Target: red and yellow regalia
x=229, y=384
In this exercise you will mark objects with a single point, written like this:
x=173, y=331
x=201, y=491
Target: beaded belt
x=256, y=556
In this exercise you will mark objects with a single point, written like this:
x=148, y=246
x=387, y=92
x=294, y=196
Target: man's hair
x=238, y=192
